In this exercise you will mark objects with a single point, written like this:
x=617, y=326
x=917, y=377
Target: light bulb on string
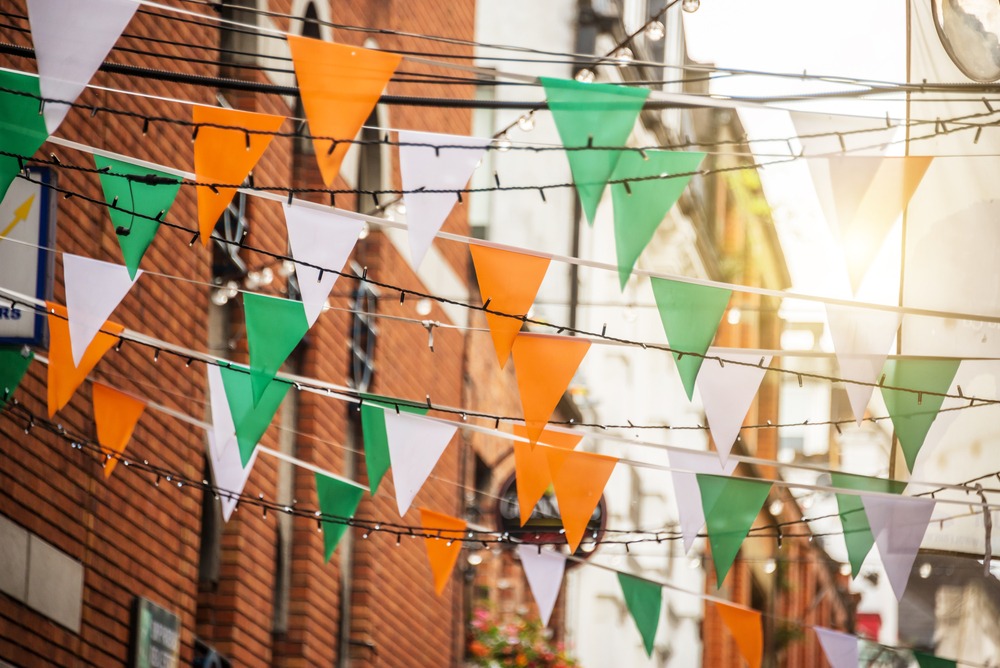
x=623, y=56
x=655, y=31
x=527, y=122
x=585, y=76
x=691, y=6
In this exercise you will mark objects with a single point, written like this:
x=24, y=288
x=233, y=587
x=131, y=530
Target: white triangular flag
x=93, y=291
x=322, y=239
x=228, y=474
x=228, y=471
x=684, y=467
x=415, y=445
x=841, y=184
x=431, y=168
x=223, y=428
x=841, y=649
x=726, y=392
x=862, y=339
x=544, y=570
x=899, y=525
x=71, y=40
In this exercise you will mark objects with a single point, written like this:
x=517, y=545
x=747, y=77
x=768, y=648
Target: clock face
x=970, y=32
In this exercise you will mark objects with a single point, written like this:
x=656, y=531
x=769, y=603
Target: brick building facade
x=255, y=589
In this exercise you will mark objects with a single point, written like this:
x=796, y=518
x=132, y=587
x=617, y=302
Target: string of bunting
x=190, y=356
x=690, y=462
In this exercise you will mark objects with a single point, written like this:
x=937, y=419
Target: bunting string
x=938, y=127
x=316, y=385
x=346, y=394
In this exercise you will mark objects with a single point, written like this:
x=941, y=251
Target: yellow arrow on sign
x=20, y=213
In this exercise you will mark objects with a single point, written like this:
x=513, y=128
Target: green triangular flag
x=338, y=498
x=641, y=205
x=251, y=419
x=931, y=661
x=376, y=440
x=644, y=600
x=731, y=505
x=912, y=413
x=135, y=233
x=274, y=327
x=13, y=365
x=592, y=114
x=857, y=533
x=691, y=315
x=22, y=127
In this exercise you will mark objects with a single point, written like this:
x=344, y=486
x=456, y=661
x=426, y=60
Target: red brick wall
x=134, y=538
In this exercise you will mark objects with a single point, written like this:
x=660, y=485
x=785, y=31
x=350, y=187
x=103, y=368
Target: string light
x=654, y=31
x=690, y=6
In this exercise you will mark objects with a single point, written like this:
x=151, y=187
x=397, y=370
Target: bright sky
x=851, y=38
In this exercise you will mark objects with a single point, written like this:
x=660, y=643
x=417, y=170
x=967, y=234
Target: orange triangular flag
x=443, y=549
x=579, y=481
x=510, y=282
x=339, y=85
x=64, y=376
x=744, y=624
x=116, y=415
x=531, y=467
x=544, y=365
x=226, y=156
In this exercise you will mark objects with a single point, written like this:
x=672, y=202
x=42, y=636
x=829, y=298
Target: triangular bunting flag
x=274, y=327
x=376, y=440
x=93, y=291
x=415, y=446
x=228, y=145
x=228, y=470
x=925, y=660
x=912, y=413
x=321, y=239
x=841, y=649
x=641, y=205
x=841, y=183
x=71, y=40
x=151, y=194
x=425, y=166
x=229, y=473
x=531, y=467
x=115, y=415
x=443, y=549
x=592, y=115
x=745, y=627
x=684, y=465
x=22, y=129
x=862, y=339
x=899, y=525
x=644, y=600
x=251, y=418
x=887, y=196
x=690, y=315
x=509, y=281
x=14, y=362
x=857, y=534
x=64, y=376
x=340, y=499
x=731, y=505
x=544, y=570
x=726, y=392
x=544, y=365
x=578, y=479
x=339, y=85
